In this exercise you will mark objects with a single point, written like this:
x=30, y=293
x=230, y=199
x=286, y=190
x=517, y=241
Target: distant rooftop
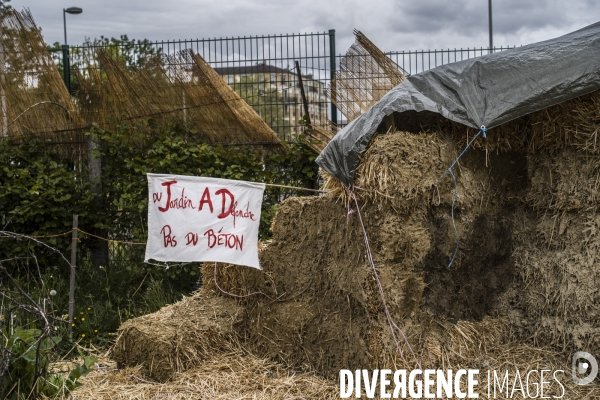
x=251, y=69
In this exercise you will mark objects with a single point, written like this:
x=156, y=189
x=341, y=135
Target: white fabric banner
x=203, y=219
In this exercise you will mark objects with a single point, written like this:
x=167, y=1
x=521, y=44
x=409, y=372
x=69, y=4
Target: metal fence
x=417, y=61
x=261, y=69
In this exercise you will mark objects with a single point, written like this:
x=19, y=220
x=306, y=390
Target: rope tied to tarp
x=482, y=131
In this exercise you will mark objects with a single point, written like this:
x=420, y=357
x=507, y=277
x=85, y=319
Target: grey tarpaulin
x=488, y=90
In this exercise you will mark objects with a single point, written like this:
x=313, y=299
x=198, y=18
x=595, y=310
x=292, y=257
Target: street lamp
x=65, y=47
x=70, y=10
x=490, y=26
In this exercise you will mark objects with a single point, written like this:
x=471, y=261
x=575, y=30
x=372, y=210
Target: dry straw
x=33, y=96
x=236, y=375
x=385, y=175
x=177, y=337
x=365, y=75
x=488, y=346
x=181, y=86
x=575, y=124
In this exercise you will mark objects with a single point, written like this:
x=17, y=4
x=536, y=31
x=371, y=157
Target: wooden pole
x=304, y=102
x=73, y=266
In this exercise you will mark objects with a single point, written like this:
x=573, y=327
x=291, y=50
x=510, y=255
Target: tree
x=131, y=52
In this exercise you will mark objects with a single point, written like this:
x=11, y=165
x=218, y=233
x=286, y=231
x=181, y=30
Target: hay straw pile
x=188, y=351
x=224, y=376
x=521, y=292
x=487, y=345
x=178, y=337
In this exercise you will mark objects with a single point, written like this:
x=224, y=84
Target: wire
x=110, y=240
x=18, y=235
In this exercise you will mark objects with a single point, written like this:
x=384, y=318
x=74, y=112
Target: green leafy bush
x=27, y=357
x=41, y=187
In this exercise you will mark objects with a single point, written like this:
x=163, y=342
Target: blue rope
x=483, y=131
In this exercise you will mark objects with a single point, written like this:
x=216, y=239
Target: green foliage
x=305, y=120
x=131, y=52
x=177, y=150
x=40, y=189
x=39, y=193
x=28, y=362
x=60, y=385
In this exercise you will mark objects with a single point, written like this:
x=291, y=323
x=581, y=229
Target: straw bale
x=403, y=170
x=564, y=180
x=559, y=267
x=489, y=345
x=398, y=167
x=574, y=124
x=511, y=136
x=317, y=255
x=522, y=258
x=232, y=375
x=235, y=279
x=177, y=337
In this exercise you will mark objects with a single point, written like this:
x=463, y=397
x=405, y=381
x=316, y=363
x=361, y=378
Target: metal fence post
x=66, y=67
x=73, y=266
x=332, y=71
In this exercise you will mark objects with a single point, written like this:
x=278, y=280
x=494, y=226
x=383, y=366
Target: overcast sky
x=390, y=24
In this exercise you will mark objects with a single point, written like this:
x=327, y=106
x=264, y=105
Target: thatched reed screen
x=33, y=97
x=181, y=86
x=364, y=76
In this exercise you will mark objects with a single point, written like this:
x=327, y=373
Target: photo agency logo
x=584, y=368
x=462, y=383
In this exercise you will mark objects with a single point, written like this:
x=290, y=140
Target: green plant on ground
x=59, y=385
x=26, y=356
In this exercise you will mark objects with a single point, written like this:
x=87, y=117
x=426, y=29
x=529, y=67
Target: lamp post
x=65, y=46
x=70, y=10
x=490, y=25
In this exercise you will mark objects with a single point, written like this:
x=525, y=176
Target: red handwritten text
x=205, y=200
x=229, y=240
x=241, y=213
x=168, y=239
x=182, y=202
x=192, y=238
x=224, y=192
